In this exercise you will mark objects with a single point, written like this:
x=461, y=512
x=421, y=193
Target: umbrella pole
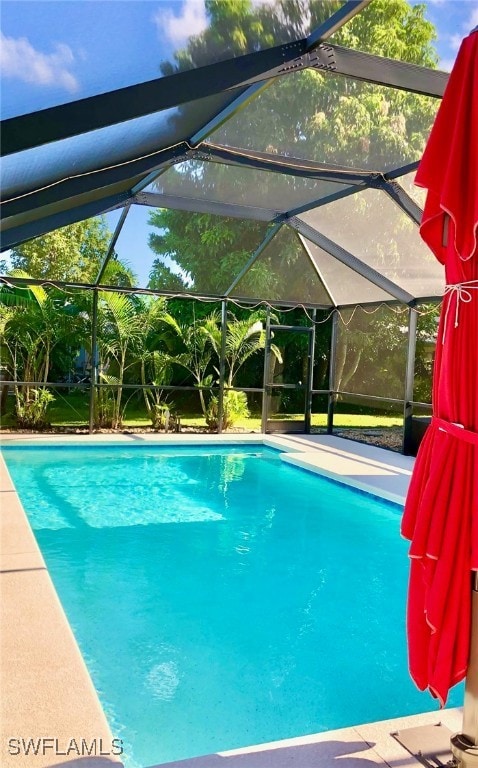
x=465, y=745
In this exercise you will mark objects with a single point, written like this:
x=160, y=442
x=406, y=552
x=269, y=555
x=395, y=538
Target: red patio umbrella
x=441, y=512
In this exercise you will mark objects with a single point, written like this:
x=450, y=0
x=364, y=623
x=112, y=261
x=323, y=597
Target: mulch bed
x=390, y=438
x=121, y=431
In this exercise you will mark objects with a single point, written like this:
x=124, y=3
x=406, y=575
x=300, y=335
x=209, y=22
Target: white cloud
x=446, y=65
x=191, y=20
x=470, y=23
x=454, y=42
x=20, y=60
x=473, y=21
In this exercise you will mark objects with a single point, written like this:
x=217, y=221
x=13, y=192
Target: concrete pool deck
x=46, y=691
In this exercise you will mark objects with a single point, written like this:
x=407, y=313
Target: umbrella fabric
x=449, y=166
x=441, y=512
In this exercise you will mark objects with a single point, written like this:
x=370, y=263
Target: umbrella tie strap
x=457, y=430
x=463, y=293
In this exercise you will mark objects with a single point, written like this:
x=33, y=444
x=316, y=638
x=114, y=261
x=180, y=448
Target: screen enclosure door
x=288, y=379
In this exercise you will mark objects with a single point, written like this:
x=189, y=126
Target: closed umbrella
x=441, y=511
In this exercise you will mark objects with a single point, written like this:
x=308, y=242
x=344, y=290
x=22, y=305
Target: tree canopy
x=309, y=114
x=72, y=254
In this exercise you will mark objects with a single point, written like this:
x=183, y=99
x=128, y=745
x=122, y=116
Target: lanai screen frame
x=29, y=212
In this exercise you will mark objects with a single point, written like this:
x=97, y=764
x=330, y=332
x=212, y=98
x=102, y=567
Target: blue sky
x=58, y=50
x=53, y=51
x=453, y=20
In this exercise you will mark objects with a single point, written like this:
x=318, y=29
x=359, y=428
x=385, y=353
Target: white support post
x=465, y=745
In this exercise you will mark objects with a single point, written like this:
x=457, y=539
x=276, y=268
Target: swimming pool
x=221, y=597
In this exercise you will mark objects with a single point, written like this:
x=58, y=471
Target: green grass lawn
x=73, y=410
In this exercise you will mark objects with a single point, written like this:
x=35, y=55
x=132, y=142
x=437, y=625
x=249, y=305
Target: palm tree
x=34, y=323
x=120, y=329
x=199, y=342
x=155, y=363
x=189, y=346
x=244, y=338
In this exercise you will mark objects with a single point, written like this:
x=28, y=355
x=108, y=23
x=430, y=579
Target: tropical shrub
x=31, y=407
x=234, y=408
x=106, y=413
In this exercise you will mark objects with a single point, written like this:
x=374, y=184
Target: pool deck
x=46, y=691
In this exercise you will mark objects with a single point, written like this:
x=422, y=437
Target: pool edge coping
x=49, y=667
x=294, y=451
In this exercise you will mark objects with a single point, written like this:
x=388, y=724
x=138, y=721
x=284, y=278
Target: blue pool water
x=220, y=596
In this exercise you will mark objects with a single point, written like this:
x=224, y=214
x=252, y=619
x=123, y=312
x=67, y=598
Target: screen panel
x=179, y=251
x=402, y=32
x=70, y=254
x=369, y=421
x=241, y=185
x=372, y=351
x=375, y=230
x=333, y=119
x=418, y=194
x=427, y=332
x=344, y=284
x=116, y=144
x=283, y=271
